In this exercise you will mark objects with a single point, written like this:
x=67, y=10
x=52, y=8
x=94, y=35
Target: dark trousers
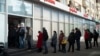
x=71, y=45
x=39, y=49
x=78, y=44
x=96, y=42
x=63, y=47
x=54, y=47
x=29, y=44
x=21, y=42
x=90, y=43
x=87, y=43
x=45, y=46
x=60, y=46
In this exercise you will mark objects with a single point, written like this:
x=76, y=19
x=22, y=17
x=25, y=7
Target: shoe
x=45, y=53
x=78, y=49
x=54, y=52
x=59, y=50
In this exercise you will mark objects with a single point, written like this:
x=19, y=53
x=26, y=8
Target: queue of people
x=23, y=34
x=73, y=38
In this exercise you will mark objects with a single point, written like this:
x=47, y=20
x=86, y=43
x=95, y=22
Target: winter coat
x=77, y=35
x=45, y=35
x=95, y=35
x=54, y=39
x=71, y=37
x=61, y=37
x=86, y=35
x=40, y=40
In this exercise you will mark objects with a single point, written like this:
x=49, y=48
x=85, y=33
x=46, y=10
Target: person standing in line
x=40, y=41
x=45, y=38
x=71, y=40
x=22, y=36
x=63, y=43
x=86, y=37
x=17, y=35
x=95, y=37
x=90, y=38
x=29, y=37
x=61, y=36
x=77, y=38
x=54, y=41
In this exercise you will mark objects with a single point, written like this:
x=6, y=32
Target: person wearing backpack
x=45, y=38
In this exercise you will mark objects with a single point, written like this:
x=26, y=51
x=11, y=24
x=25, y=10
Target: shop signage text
x=86, y=15
x=73, y=10
x=51, y=1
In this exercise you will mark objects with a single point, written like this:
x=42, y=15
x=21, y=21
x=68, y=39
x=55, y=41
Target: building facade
x=52, y=14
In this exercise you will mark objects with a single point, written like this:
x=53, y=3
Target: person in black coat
x=45, y=38
x=77, y=38
x=95, y=36
x=90, y=38
x=71, y=40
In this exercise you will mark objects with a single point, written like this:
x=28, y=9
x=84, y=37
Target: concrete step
x=17, y=52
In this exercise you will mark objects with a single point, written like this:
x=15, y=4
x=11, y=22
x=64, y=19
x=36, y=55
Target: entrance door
x=13, y=24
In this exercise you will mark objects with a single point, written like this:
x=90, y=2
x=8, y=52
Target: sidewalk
x=90, y=52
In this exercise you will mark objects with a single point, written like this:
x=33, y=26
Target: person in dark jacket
x=40, y=41
x=95, y=37
x=86, y=37
x=45, y=38
x=71, y=40
x=90, y=38
x=54, y=41
x=61, y=36
x=77, y=38
x=22, y=36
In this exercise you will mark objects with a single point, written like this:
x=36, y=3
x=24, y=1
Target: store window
x=37, y=8
x=66, y=18
x=54, y=15
x=61, y=17
x=46, y=13
x=66, y=30
x=2, y=5
x=54, y=27
x=71, y=19
x=20, y=7
x=61, y=27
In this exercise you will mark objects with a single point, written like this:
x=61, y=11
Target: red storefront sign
x=73, y=10
x=86, y=15
x=51, y=1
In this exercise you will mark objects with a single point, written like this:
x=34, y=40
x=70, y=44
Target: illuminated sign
x=73, y=10
x=51, y=1
x=86, y=15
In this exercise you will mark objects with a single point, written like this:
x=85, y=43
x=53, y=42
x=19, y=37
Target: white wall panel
x=54, y=27
x=37, y=11
x=54, y=15
x=61, y=27
x=36, y=28
x=2, y=28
